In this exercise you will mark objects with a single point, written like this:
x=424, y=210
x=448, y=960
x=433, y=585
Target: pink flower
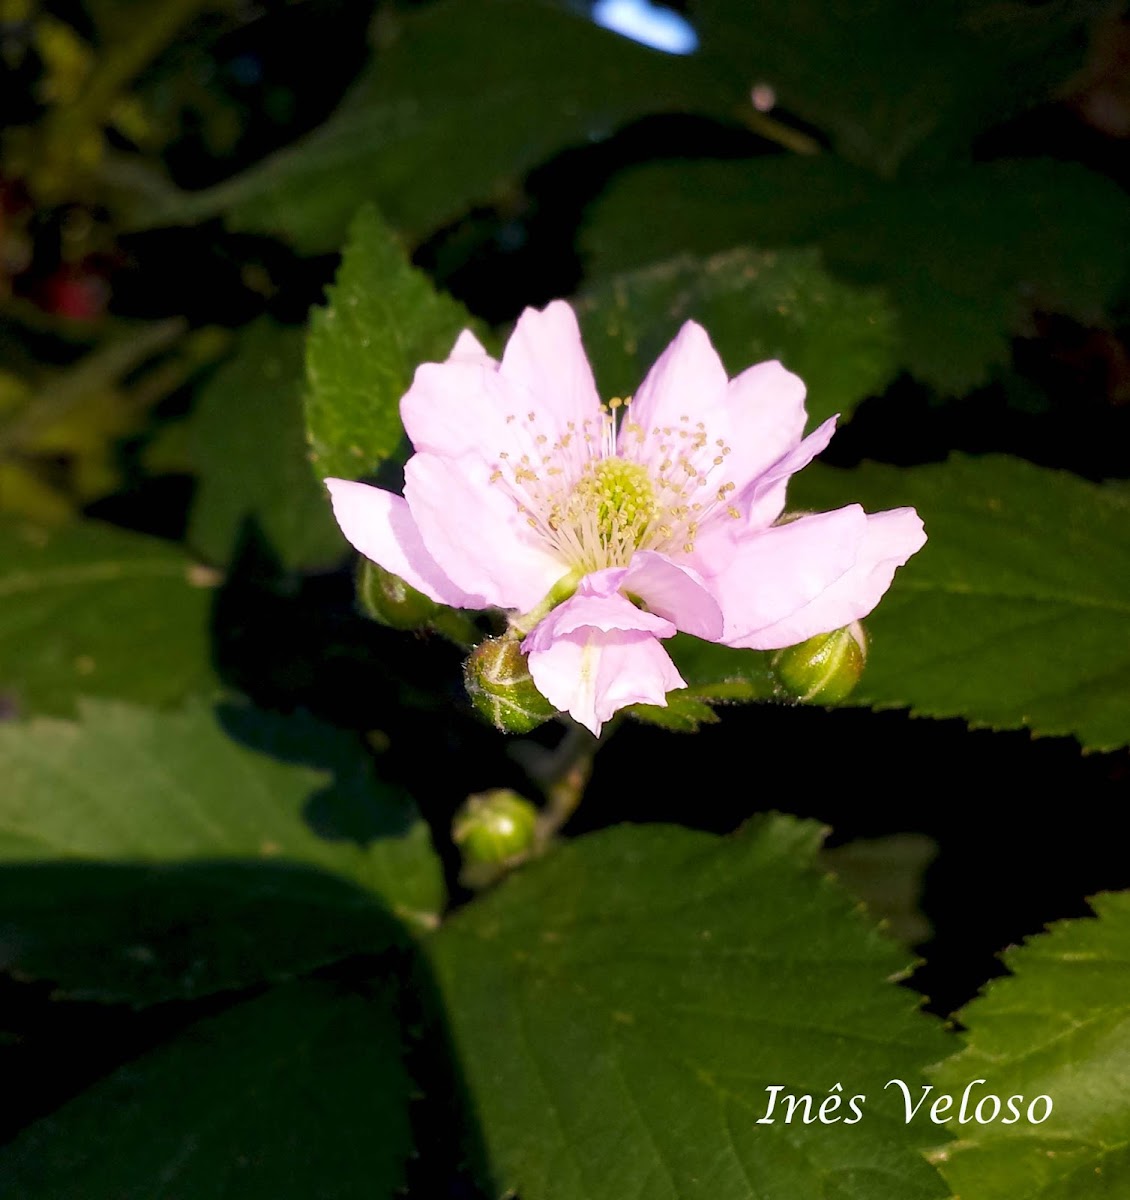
x=604, y=529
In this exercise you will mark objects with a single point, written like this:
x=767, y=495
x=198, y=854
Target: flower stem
x=564, y=775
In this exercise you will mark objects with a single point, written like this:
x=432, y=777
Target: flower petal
x=380, y=525
x=764, y=500
x=675, y=592
x=686, y=383
x=546, y=359
x=475, y=533
x=890, y=539
x=468, y=348
x=591, y=674
x=765, y=416
x=813, y=575
x=597, y=610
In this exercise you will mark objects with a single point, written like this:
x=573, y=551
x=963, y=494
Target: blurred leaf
x=887, y=874
x=963, y=256
x=888, y=81
x=1016, y=613
x=92, y=609
x=299, y=1093
x=384, y=318
x=248, y=444
x=687, y=973
x=465, y=97
x=1059, y=1027
x=755, y=305
x=128, y=785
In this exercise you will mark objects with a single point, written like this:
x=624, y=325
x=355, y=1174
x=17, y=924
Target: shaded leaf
x=249, y=449
x=1059, y=1027
x=92, y=609
x=1017, y=611
x=688, y=973
x=229, y=791
x=889, y=81
x=464, y=98
x=299, y=1093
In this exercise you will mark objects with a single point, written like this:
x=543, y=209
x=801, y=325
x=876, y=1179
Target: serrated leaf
x=96, y=610
x=465, y=97
x=756, y=305
x=248, y=446
x=1058, y=1027
x=620, y=1007
x=384, y=318
x=299, y=1093
x=1017, y=611
x=963, y=257
x=234, y=799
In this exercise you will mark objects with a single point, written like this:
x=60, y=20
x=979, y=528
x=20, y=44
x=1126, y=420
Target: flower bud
x=388, y=599
x=824, y=669
x=498, y=681
x=494, y=827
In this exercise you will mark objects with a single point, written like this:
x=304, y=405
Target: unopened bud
x=825, y=668
x=494, y=827
x=390, y=600
x=497, y=678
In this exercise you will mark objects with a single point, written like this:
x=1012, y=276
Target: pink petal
x=591, y=674
x=765, y=414
x=546, y=360
x=468, y=348
x=475, y=533
x=889, y=540
x=813, y=575
x=765, y=577
x=687, y=384
x=380, y=526
x=764, y=500
x=675, y=592
x=461, y=406
x=595, y=611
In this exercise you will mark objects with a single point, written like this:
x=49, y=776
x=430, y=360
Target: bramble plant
x=467, y=728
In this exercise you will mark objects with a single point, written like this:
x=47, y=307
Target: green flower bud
x=498, y=681
x=494, y=827
x=824, y=669
x=388, y=599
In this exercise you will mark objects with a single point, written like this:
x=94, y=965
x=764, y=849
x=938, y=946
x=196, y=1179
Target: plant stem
x=565, y=775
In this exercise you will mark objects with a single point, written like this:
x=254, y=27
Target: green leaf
x=889, y=80
x=464, y=98
x=383, y=319
x=683, y=713
x=684, y=973
x=299, y=1093
x=248, y=446
x=235, y=793
x=755, y=305
x=92, y=609
x=963, y=256
x=146, y=933
x=715, y=672
x=887, y=874
x=1016, y=613
x=1058, y=1027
